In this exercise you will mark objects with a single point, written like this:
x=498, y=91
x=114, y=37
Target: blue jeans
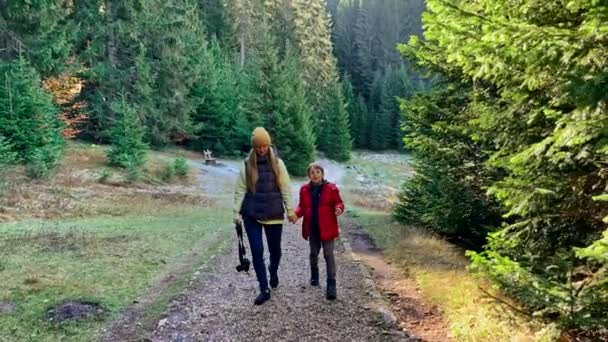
x=256, y=243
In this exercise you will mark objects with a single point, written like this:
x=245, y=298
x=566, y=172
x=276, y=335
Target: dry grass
x=439, y=269
x=75, y=189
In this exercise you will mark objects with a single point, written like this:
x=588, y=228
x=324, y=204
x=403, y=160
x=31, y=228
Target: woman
x=262, y=197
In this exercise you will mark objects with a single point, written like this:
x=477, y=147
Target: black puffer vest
x=267, y=202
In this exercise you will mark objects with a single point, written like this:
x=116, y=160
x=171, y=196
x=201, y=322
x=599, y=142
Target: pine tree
x=352, y=107
x=363, y=70
x=174, y=35
x=294, y=134
x=276, y=100
x=278, y=15
x=223, y=127
x=263, y=78
x=28, y=118
x=128, y=148
x=151, y=52
x=335, y=139
x=540, y=116
x=363, y=119
x=245, y=16
x=8, y=156
x=379, y=122
x=216, y=18
x=40, y=31
x=344, y=34
x=312, y=31
x=395, y=86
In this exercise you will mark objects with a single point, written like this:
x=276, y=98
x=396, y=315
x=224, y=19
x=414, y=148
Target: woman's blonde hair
x=252, y=168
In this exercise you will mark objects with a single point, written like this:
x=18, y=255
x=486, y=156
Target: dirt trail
x=218, y=303
x=413, y=313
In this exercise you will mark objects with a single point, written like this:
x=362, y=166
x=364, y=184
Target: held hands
x=292, y=217
x=339, y=211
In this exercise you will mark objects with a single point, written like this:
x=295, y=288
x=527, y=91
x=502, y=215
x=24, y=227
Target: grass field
x=108, y=260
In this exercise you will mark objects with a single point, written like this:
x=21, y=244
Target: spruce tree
x=28, y=118
x=222, y=124
x=313, y=39
x=39, y=31
x=335, y=140
x=245, y=16
x=352, y=108
x=127, y=137
x=175, y=40
x=396, y=85
x=540, y=116
x=8, y=156
x=294, y=132
x=215, y=16
x=151, y=52
x=362, y=138
x=276, y=100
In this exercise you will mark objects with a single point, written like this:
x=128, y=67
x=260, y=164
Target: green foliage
x=354, y=110
x=362, y=118
x=447, y=193
x=44, y=160
x=277, y=101
x=217, y=19
x=8, y=156
x=538, y=112
x=28, y=117
x=223, y=127
x=181, y=166
x=334, y=137
x=167, y=173
x=293, y=132
x=128, y=148
x=153, y=52
x=38, y=31
x=571, y=289
x=366, y=35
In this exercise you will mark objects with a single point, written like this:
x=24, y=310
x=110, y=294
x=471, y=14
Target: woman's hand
x=292, y=217
x=237, y=219
x=339, y=211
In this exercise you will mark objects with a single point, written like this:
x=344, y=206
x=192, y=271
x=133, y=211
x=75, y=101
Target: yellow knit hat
x=260, y=137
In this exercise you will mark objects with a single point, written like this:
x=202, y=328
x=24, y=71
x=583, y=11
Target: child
x=320, y=204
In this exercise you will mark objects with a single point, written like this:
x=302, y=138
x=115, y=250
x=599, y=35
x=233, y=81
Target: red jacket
x=329, y=201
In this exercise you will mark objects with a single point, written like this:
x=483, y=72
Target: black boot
x=331, y=289
x=314, y=276
x=274, y=280
x=274, y=277
x=262, y=298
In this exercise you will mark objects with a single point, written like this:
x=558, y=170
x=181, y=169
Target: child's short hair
x=314, y=165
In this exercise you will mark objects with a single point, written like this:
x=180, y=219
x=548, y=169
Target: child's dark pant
x=328, y=254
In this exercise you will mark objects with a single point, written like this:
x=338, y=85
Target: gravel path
x=219, y=304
